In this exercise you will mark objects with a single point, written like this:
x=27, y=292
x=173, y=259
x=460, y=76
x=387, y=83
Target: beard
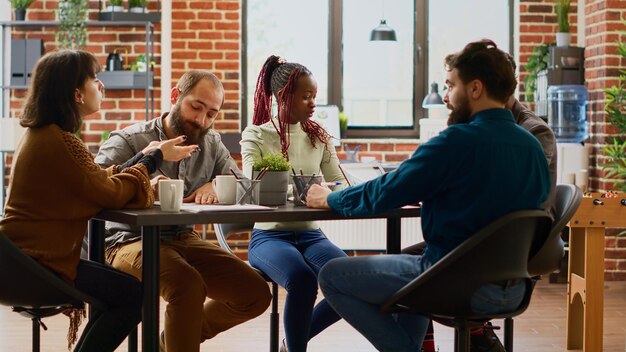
x=194, y=132
x=460, y=113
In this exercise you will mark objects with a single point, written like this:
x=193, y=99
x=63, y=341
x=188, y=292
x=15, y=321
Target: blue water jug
x=567, y=113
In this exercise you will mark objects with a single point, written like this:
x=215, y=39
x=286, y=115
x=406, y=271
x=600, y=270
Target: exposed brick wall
x=602, y=64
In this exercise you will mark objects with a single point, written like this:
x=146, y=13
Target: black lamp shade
x=433, y=99
x=383, y=32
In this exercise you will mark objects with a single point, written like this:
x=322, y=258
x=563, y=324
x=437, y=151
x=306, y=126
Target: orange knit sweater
x=55, y=188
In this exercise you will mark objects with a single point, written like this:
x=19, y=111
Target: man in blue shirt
x=482, y=167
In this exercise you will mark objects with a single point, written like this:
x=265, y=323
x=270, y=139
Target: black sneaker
x=485, y=340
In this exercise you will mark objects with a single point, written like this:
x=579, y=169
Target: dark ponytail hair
x=278, y=78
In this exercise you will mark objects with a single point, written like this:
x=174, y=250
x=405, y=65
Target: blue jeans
x=293, y=260
x=357, y=287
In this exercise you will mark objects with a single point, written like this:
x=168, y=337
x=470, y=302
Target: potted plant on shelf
x=615, y=108
x=274, y=185
x=114, y=6
x=71, y=32
x=137, y=6
x=563, y=36
x=19, y=8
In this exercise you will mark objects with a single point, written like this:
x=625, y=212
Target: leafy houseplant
x=115, y=6
x=537, y=61
x=141, y=64
x=273, y=161
x=561, y=8
x=274, y=185
x=19, y=8
x=615, y=109
x=72, y=33
x=138, y=6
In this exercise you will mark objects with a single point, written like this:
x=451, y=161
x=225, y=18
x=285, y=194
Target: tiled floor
x=540, y=329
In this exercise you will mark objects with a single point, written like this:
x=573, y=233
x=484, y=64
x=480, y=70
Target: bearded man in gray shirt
x=190, y=269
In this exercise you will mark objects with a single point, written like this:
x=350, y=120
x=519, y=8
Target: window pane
x=452, y=24
x=296, y=30
x=378, y=76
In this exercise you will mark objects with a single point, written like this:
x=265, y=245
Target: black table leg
x=394, y=235
x=95, y=241
x=150, y=275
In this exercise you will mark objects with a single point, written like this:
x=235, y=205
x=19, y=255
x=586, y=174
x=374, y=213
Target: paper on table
x=196, y=208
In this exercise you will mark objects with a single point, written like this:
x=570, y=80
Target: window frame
x=335, y=68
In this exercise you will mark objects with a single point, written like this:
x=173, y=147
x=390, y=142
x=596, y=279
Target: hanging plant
x=72, y=32
x=537, y=61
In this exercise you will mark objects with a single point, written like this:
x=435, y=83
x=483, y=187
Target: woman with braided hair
x=292, y=253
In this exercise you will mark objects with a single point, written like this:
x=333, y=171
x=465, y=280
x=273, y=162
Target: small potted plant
x=275, y=182
x=114, y=6
x=137, y=6
x=19, y=8
x=563, y=36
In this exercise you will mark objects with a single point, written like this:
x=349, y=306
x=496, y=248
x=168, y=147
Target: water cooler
x=561, y=99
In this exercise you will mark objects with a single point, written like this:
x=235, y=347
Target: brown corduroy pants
x=191, y=270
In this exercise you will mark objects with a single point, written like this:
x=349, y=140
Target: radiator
x=369, y=234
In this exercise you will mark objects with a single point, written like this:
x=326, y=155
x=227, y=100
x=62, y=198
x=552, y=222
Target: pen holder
x=301, y=184
x=248, y=191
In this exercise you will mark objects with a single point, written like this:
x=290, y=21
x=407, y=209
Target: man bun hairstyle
x=482, y=60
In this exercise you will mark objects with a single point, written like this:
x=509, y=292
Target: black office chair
x=498, y=253
x=222, y=232
x=548, y=258
x=34, y=291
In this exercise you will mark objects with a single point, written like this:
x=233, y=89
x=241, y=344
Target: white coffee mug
x=171, y=194
x=226, y=188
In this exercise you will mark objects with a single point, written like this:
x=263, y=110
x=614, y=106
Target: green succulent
x=273, y=162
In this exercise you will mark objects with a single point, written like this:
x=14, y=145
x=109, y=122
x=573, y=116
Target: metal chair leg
x=132, y=340
x=274, y=316
x=508, y=334
x=36, y=336
x=462, y=339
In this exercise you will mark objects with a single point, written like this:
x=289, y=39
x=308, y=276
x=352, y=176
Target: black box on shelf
x=154, y=17
x=125, y=79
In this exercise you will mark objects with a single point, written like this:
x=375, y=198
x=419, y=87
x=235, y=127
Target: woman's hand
x=171, y=148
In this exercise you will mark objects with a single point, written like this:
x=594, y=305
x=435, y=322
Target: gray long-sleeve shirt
x=213, y=159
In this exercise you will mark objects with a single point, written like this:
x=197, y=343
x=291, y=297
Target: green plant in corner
x=72, y=32
x=615, y=108
x=537, y=61
x=273, y=162
x=561, y=8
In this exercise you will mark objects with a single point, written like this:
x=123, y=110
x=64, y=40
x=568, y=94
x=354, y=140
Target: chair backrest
x=223, y=231
x=496, y=253
x=26, y=283
x=548, y=258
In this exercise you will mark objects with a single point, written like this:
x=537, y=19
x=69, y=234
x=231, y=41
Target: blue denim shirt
x=466, y=177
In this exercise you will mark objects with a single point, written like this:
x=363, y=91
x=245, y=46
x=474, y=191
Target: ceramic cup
x=171, y=194
x=226, y=188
